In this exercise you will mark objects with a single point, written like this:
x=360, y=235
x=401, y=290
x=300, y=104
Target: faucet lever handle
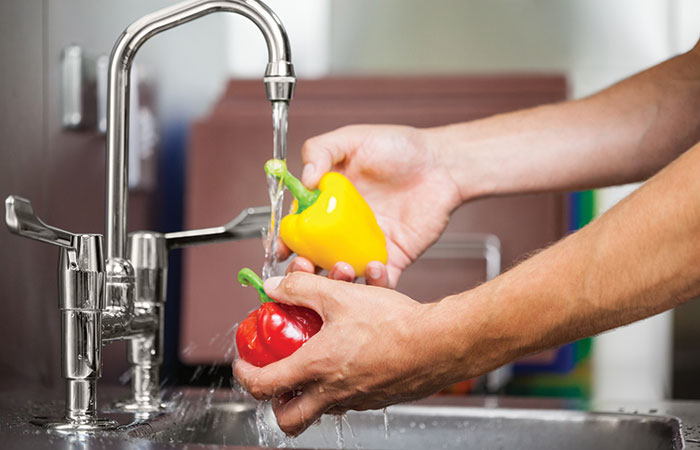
x=247, y=224
x=21, y=220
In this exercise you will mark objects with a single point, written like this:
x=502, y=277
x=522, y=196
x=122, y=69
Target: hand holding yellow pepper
x=331, y=224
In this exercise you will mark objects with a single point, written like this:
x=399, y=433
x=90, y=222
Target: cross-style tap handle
x=21, y=219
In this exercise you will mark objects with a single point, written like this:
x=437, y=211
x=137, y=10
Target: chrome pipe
x=279, y=80
x=118, y=295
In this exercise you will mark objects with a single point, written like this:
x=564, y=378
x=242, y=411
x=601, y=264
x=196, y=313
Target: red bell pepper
x=275, y=330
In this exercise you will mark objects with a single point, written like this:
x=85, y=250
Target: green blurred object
x=569, y=374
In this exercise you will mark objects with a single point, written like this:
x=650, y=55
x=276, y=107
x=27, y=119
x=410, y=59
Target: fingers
x=282, y=252
x=376, y=274
x=296, y=414
x=342, y=271
x=300, y=264
x=321, y=153
x=394, y=273
x=277, y=378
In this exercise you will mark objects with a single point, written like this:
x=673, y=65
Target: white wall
x=308, y=25
x=595, y=42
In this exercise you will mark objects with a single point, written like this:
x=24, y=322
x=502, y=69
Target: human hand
x=398, y=171
x=376, y=347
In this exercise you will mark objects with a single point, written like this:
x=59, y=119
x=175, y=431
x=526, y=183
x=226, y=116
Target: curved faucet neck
x=279, y=83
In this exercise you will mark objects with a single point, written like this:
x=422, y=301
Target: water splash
x=358, y=445
x=265, y=432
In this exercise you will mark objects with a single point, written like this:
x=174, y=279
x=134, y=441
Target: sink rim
x=150, y=429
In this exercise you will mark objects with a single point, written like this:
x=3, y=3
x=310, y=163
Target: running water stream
x=267, y=435
x=271, y=267
x=275, y=189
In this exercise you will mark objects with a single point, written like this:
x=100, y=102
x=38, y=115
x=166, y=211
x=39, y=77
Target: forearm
x=637, y=260
x=623, y=134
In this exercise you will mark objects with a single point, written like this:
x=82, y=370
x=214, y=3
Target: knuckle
x=310, y=147
x=337, y=396
x=331, y=298
x=293, y=283
x=348, y=128
x=318, y=365
x=289, y=424
x=257, y=392
x=256, y=389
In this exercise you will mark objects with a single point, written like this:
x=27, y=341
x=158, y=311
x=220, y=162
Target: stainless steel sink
x=223, y=418
x=419, y=427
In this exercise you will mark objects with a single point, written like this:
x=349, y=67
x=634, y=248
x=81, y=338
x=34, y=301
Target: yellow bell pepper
x=331, y=224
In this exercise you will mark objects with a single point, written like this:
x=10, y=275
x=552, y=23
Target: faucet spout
x=279, y=82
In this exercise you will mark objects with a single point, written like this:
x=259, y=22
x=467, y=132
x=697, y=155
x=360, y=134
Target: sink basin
x=418, y=427
x=225, y=418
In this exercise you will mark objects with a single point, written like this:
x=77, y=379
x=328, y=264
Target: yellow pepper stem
x=249, y=278
x=305, y=198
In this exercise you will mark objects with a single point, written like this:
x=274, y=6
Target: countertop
x=21, y=404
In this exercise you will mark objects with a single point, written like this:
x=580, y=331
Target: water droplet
x=338, y=422
x=386, y=424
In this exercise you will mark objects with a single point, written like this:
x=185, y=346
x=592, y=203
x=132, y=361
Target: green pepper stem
x=249, y=278
x=278, y=168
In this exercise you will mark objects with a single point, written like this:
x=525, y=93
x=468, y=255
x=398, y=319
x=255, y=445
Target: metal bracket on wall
x=84, y=108
x=77, y=111
x=83, y=90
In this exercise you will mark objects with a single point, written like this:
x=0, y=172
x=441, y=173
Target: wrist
x=479, y=333
x=457, y=154
x=451, y=334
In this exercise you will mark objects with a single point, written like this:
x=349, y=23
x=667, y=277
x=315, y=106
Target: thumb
x=307, y=290
x=321, y=153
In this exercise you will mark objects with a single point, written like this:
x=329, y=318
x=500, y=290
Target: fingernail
x=307, y=172
x=272, y=283
x=374, y=272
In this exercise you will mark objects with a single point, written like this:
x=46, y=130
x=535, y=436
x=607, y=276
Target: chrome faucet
x=121, y=295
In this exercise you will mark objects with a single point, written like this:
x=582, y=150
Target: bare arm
x=623, y=134
x=378, y=347
x=637, y=260
x=413, y=178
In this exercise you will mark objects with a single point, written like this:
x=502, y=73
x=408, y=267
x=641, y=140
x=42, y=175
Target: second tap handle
x=247, y=224
x=21, y=219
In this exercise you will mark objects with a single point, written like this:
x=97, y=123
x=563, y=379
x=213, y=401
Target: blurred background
x=202, y=130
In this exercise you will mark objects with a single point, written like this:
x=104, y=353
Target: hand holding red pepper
x=275, y=330
x=377, y=347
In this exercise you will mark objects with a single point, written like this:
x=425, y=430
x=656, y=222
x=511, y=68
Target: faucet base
x=69, y=426
x=133, y=406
